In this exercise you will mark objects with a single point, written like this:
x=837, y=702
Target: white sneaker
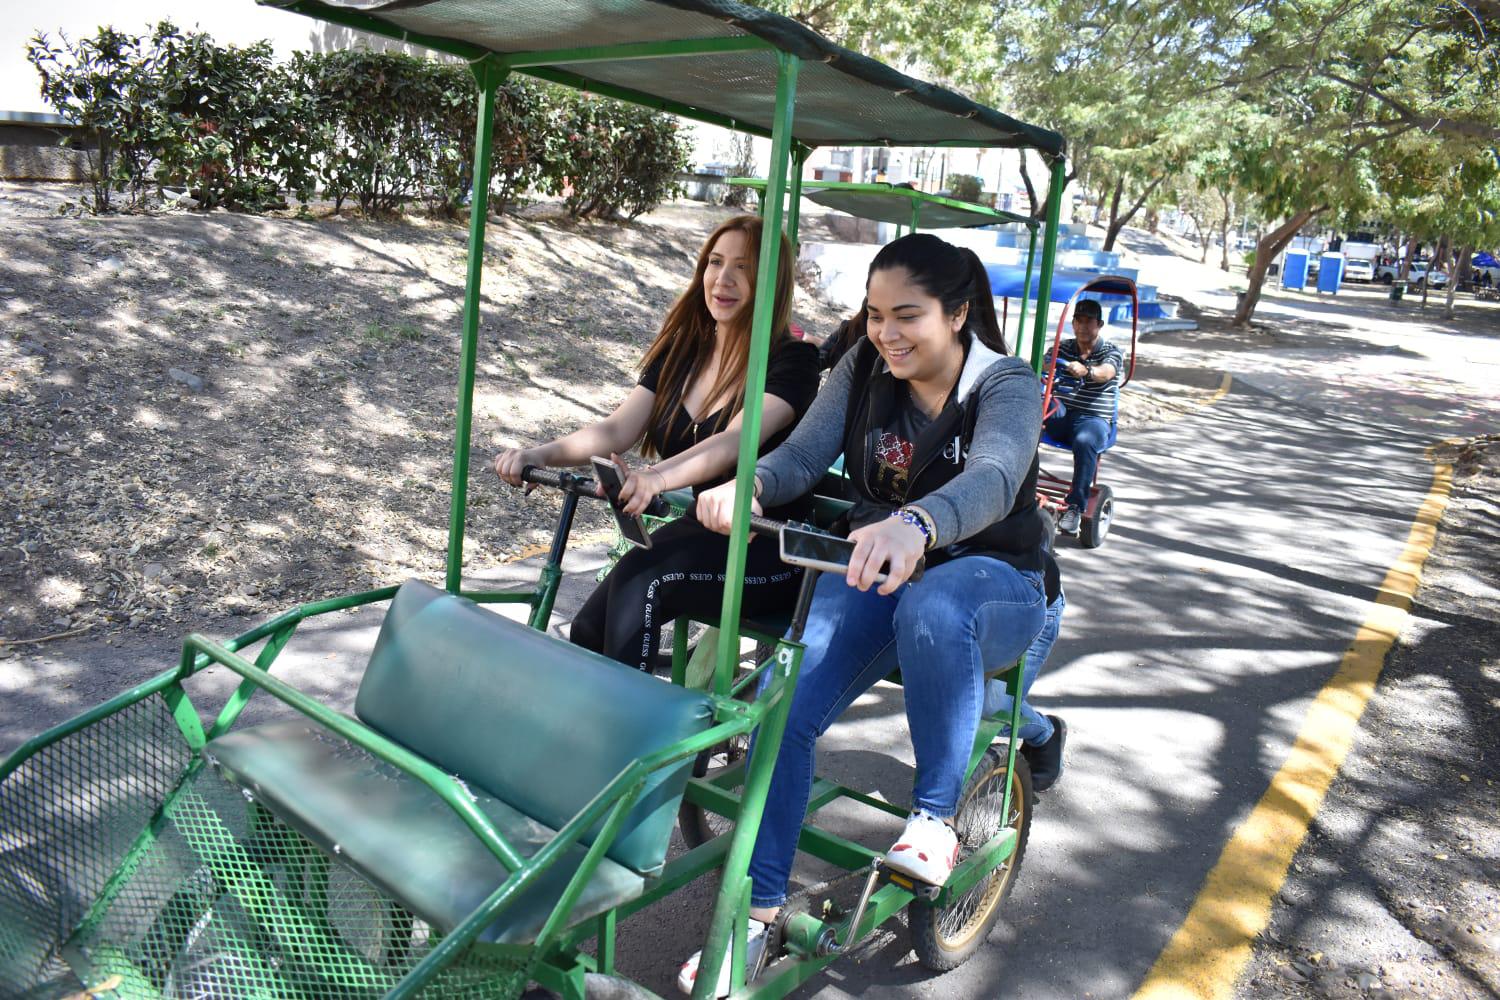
x=755, y=946
x=927, y=849
x=1068, y=523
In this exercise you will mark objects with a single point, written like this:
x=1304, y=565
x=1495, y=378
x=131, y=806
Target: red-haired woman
x=686, y=412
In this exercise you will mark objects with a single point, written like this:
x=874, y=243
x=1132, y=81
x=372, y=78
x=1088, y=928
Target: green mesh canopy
x=894, y=203
x=712, y=60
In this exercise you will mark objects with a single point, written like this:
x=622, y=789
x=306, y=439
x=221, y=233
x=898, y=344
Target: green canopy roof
x=894, y=203
x=711, y=60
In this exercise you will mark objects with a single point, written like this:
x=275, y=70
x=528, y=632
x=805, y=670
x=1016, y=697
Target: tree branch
x=1427, y=123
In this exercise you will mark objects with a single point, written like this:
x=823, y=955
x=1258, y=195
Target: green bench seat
x=401, y=836
x=534, y=726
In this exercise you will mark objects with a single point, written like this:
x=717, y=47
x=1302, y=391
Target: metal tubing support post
x=1049, y=260
x=794, y=202
x=1025, y=290
x=489, y=77
x=755, y=376
x=733, y=877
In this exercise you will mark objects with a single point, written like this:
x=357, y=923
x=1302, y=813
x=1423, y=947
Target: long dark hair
x=955, y=276
x=685, y=342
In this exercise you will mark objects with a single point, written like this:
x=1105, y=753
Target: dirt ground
x=208, y=415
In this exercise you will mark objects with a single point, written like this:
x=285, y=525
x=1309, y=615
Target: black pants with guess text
x=681, y=575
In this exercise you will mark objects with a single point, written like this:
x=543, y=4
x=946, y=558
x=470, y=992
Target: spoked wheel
x=1092, y=530
x=945, y=937
x=699, y=825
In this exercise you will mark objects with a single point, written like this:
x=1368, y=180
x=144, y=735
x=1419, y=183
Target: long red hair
x=685, y=343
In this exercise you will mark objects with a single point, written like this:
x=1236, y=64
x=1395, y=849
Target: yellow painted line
x=1205, y=956
x=1223, y=391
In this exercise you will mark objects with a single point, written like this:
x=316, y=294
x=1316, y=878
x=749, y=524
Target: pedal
x=922, y=890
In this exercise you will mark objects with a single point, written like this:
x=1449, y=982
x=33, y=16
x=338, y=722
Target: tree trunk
x=1224, y=233
x=1265, y=251
x=1460, y=272
x=1037, y=211
x=1203, y=235
x=1114, y=209
x=1411, y=253
x=1117, y=221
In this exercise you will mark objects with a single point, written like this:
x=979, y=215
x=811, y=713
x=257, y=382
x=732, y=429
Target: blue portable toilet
x=1330, y=272
x=1294, y=270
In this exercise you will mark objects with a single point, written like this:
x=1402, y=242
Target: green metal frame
x=917, y=199
x=562, y=965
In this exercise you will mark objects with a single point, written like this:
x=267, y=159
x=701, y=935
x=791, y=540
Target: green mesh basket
x=124, y=862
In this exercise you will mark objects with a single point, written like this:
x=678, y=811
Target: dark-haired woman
x=686, y=412
x=939, y=430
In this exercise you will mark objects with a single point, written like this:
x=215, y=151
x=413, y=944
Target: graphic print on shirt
x=893, y=455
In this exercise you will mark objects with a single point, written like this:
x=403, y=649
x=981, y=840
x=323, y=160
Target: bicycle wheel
x=945, y=937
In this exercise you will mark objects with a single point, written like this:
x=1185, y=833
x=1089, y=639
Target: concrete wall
x=31, y=153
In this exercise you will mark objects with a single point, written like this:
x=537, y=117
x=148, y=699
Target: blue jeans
x=945, y=630
x=1036, y=728
x=1088, y=435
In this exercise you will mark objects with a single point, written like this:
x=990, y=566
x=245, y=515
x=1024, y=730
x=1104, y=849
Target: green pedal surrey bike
x=499, y=799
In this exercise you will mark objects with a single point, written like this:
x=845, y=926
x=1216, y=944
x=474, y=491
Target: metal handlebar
x=584, y=486
x=772, y=529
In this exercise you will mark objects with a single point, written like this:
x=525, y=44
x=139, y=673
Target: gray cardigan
x=1009, y=424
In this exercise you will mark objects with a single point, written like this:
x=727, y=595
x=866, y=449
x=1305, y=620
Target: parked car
x=1359, y=269
x=1418, y=275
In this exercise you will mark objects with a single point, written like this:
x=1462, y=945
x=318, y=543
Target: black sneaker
x=1046, y=759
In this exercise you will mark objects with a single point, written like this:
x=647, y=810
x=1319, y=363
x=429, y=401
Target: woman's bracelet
x=919, y=519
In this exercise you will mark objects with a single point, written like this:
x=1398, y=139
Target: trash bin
x=1398, y=289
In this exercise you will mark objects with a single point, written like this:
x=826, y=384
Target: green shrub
x=106, y=84
x=964, y=187
x=518, y=143
x=236, y=122
x=607, y=158
x=238, y=129
x=377, y=113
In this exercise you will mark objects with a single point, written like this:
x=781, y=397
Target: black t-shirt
x=890, y=464
x=792, y=377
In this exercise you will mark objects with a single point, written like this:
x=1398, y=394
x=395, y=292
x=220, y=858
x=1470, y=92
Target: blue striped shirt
x=1099, y=398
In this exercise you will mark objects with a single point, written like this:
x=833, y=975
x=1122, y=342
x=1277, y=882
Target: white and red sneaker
x=755, y=944
x=927, y=849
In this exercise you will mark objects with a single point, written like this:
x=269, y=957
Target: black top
x=895, y=444
x=939, y=452
x=791, y=376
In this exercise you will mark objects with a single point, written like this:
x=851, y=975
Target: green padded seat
x=535, y=727
x=535, y=721
x=403, y=838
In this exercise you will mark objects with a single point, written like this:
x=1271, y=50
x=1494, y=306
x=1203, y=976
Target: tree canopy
x=1342, y=110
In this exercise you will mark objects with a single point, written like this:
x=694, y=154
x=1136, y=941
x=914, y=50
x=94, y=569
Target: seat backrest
x=535, y=721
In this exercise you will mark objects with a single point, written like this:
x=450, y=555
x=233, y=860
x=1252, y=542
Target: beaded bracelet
x=919, y=520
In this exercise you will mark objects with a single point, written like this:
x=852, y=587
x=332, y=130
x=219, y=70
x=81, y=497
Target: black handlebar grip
x=765, y=526
x=541, y=477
